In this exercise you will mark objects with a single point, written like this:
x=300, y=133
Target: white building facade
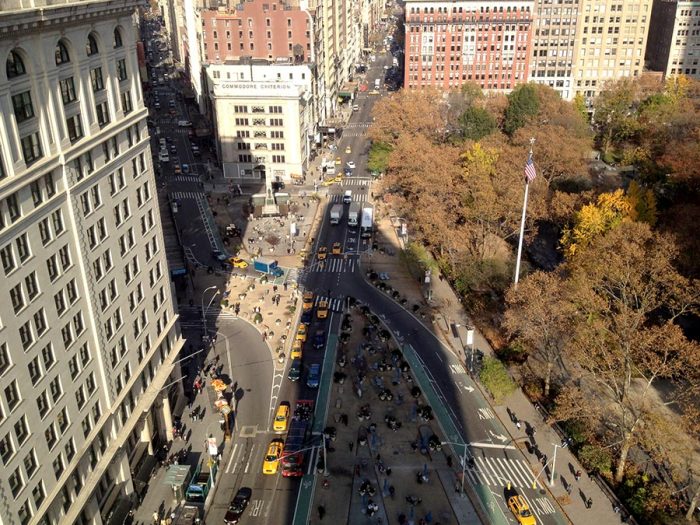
x=263, y=119
x=88, y=327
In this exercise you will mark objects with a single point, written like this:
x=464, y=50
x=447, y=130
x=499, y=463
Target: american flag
x=530, y=173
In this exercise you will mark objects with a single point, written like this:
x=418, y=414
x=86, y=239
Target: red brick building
x=268, y=30
x=451, y=43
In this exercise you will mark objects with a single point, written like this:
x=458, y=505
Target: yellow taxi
x=177, y=169
x=272, y=457
x=308, y=301
x=237, y=262
x=281, y=418
x=521, y=511
x=322, y=309
x=336, y=250
x=297, y=346
x=301, y=333
x=322, y=253
x=348, y=150
x=338, y=162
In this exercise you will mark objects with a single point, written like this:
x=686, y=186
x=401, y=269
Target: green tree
x=580, y=105
x=378, y=156
x=615, y=114
x=523, y=104
x=496, y=379
x=476, y=123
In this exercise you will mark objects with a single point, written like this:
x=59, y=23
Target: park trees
x=627, y=297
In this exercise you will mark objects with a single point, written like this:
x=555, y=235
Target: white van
x=162, y=142
x=347, y=197
x=377, y=83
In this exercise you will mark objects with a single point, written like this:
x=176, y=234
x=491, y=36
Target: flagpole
x=522, y=225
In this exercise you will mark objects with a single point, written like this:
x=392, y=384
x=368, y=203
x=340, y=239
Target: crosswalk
x=497, y=471
x=356, y=125
x=335, y=304
x=357, y=197
x=356, y=181
x=185, y=178
x=187, y=195
x=213, y=311
x=334, y=265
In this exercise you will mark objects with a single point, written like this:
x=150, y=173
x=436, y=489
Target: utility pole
x=529, y=177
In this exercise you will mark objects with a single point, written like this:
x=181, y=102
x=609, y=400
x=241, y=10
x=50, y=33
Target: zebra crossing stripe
x=529, y=475
x=483, y=470
x=515, y=476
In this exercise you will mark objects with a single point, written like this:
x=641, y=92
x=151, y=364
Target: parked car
x=314, y=377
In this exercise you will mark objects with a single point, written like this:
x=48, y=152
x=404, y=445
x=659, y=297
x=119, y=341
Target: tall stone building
x=88, y=327
x=674, y=43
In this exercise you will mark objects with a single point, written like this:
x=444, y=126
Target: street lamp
x=464, y=460
x=204, y=311
x=551, y=474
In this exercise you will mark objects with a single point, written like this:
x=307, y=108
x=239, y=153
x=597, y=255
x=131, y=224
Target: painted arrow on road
x=499, y=437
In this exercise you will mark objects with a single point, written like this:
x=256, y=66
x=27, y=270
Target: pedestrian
x=156, y=518
x=544, y=459
x=569, y=488
x=449, y=461
x=351, y=444
x=577, y=475
x=321, y=512
x=517, y=424
x=589, y=502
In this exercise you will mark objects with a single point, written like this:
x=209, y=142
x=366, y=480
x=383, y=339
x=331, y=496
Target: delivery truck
x=354, y=214
x=336, y=213
x=367, y=223
x=267, y=266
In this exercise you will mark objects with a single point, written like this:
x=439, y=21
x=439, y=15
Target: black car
x=238, y=506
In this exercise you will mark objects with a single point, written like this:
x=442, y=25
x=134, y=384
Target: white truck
x=354, y=214
x=336, y=213
x=367, y=223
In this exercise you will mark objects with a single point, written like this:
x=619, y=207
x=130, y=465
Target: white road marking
x=233, y=455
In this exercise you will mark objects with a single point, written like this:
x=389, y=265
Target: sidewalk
x=444, y=311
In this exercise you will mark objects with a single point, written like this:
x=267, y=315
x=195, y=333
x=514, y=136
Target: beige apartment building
x=611, y=38
x=88, y=327
x=675, y=49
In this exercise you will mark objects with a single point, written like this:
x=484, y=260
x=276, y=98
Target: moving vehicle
x=367, y=223
x=163, y=156
x=347, y=197
x=297, y=347
x=356, y=107
x=330, y=170
x=281, y=418
x=322, y=309
x=322, y=253
x=351, y=164
x=237, y=262
x=348, y=150
x=184, y=123
x=336, y=249
x=338, y=162
x=336, y=213
x=354, y=213
x=292, y=459
x=314, y=377
x=294, y=370
x=237, y=506
x=268, y=266
x=272, y=457
x=301, y=333
x=308, y=300
x=377, y=83
x=319, y=339
x=219, y=255
x=521, y=511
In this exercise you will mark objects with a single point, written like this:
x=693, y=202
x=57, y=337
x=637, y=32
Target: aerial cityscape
x=349, y=261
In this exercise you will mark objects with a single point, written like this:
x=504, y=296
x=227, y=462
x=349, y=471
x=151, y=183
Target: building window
x=16, y=482
x=34, y=370
x=118, y=38
x=31, y=148
x=70, y=449
x=102, y=114
x=6, y=449
x=121, y=70
x=40, y=322
x=32, y=287
x=22, y=247
x=37, y=197
x=91, y=46
x=67, y=90
x=56, y=389
x=75, y=128
x=25, y=513
x=30, y=463
x=14, y=67
x=8, y=259
x=5, y=362
x=21, y=431
x=58, y=466
x=12, y=395
x=42, y=404
x=38, y=494
x=25, y=335
x=62, y=56
x=62, y=420
x=127, y=105
x=96, y=79
x=22, y=104
x=17, y=298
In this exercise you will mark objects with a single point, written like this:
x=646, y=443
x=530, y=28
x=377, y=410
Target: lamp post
x=464, y=461
x=204, y=311
x=554, y=462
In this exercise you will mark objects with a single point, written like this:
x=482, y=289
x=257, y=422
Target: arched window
x=118, y=38
x=14, y=66
x=91, y=46
x=62, y=56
